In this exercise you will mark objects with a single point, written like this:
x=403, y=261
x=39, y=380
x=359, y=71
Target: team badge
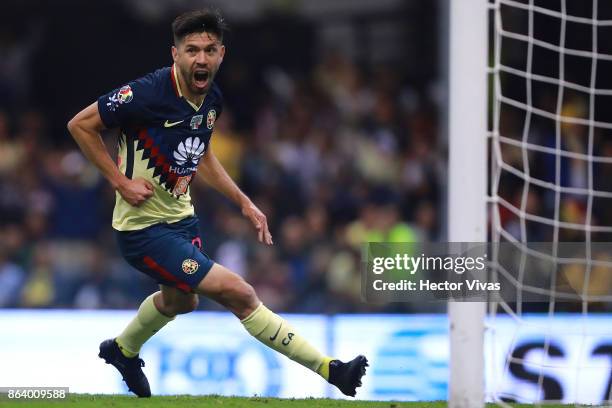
x=196, y=121
x=190, y=266
x=210, y=119
x=125, y=94
x=181, y=185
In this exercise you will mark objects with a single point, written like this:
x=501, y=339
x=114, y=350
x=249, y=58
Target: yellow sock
x=146, y=323
x=323, y=370
x=273, y=331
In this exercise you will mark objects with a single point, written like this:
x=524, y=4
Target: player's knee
x=183, y=306
x=244, y=298
x=242, y=291
x=188, y=305
x=192, y=304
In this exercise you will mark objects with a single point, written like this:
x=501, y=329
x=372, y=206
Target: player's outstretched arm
x=85, y=128
x=214, y=174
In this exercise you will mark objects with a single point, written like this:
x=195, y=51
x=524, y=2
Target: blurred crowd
x=336, y=158
x=555, y=185
x=569, y=173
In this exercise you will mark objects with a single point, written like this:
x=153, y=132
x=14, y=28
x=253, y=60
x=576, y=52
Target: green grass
x=185, y=401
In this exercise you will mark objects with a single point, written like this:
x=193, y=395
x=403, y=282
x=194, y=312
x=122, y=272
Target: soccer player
x=166, y=120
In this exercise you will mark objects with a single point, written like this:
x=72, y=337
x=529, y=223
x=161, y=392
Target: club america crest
x=190, y=266
x=210, y=119
x=196, y=121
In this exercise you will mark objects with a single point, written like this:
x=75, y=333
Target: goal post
x=548, y=128
x=467, y=195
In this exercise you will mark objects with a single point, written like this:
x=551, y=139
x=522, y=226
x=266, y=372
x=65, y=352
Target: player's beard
x=188, y=75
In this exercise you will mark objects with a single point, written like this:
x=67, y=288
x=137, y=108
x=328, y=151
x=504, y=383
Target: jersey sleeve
x=218, y=101
x=128, y=105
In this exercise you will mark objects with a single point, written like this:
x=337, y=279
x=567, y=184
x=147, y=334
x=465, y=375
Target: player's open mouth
x=200, y=78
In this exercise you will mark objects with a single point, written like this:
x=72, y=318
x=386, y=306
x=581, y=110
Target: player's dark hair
x=199, y=21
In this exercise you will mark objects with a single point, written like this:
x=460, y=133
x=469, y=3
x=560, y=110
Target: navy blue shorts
x=169, y=253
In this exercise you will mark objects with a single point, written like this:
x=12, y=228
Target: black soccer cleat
x=347, y=376
x=130, y=368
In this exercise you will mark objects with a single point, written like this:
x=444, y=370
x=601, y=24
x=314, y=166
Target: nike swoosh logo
x=170, y=124
x=276, y=334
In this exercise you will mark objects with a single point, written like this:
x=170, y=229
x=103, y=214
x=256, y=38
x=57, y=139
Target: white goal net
x=551, y=183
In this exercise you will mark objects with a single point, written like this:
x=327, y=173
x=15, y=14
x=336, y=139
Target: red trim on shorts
x=197, y=242
x=151, y=264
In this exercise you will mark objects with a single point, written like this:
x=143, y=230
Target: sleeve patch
x=122, y=96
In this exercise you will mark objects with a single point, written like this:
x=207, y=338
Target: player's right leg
x=158, y=251
x=173, y=301
x=154, y=313
x=233, y=292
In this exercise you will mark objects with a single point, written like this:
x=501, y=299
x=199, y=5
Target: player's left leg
x=233, y=292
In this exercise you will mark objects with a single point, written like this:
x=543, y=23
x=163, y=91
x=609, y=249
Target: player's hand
x=136, y=191
x=260, y=222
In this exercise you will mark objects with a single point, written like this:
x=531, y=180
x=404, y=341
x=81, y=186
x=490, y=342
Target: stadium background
x=334, y=123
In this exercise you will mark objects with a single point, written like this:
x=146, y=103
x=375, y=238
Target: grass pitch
x=186, y=401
